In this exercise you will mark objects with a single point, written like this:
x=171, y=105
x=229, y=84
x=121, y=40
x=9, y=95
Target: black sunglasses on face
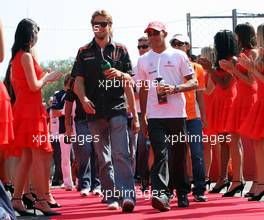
x=177, y=43
x=144, y=46
x=153, y=33
x=102, y=23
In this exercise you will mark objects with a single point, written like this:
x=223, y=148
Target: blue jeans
x=194, y=129
x=85, y=157
x=112, y=151
x=132, y=148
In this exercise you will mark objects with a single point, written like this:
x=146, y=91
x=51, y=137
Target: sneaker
x=84, y=192
x=199, y=198
x=161, y=204
x=97, y=192
x=128, y=205
x=113, y=205
x=183, y=201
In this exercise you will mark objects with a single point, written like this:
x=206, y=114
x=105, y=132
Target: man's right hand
x=88, y=106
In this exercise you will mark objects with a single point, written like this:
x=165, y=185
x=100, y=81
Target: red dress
x=30, y=125
x=221, y=103
x=6, y=118
x=208, y=106
x=244, y=101
x=252, y=126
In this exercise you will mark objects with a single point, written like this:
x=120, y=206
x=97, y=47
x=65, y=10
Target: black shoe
x=56, y=183
x=27, y=201
x=183, y=201
x=249, y=194
x=208, y=182
x=22, y=212
x=9, y=187
x=257, y=197
x=160, y=203
x=199, y=198
x=45, y=213
x=54, y=205
x=235, y=190
x=219, y=188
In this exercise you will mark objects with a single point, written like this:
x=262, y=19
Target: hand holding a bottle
x=112, y=73
x=169, y=89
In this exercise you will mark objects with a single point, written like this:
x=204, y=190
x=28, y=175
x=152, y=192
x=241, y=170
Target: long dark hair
x=25, y=36
x=225, y=44
x=8, y=84
x=246, y=36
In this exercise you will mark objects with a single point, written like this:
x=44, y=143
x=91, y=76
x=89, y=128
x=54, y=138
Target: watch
x=176, y=89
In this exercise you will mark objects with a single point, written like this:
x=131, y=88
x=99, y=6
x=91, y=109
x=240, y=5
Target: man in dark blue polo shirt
x=102, y=94
x=84, y=150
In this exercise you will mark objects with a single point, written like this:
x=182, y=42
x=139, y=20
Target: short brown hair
x=144, y=38
x=103, y=13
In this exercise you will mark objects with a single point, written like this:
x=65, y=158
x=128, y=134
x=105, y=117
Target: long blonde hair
x=209, y=54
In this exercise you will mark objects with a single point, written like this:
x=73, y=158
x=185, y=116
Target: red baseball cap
x=156, y=25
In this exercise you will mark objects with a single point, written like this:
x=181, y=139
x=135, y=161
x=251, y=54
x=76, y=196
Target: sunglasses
x=153, y=33
x=144, y=46
x=102, y=23
x=177, y=43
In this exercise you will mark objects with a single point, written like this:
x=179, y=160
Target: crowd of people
x=116, y=122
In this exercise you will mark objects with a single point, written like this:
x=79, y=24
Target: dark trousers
x=169, y=170
x=143, y=153
x=194, y=129
x=57, y=177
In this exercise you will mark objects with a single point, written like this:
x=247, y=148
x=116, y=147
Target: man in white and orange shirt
x=195, y=120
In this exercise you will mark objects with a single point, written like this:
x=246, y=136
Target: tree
x=64, y=66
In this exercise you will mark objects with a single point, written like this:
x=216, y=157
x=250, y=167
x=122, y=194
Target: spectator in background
x=76, y=124
x=196, y=119
x=65, y=147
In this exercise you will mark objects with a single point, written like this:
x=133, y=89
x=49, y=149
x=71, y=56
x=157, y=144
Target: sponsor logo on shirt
x=169, y=64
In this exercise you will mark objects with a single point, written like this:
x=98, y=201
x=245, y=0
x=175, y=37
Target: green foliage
x=64, y=66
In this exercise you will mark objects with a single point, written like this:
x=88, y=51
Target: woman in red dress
x=245, y=99
x=252, y=126
x=30, y=127
x=223, y=98
x=210, y=146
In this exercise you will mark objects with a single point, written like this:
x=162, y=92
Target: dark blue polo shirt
x=108, y=101
x=58, y=104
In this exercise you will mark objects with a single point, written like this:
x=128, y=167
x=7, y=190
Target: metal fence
x=201, y=29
